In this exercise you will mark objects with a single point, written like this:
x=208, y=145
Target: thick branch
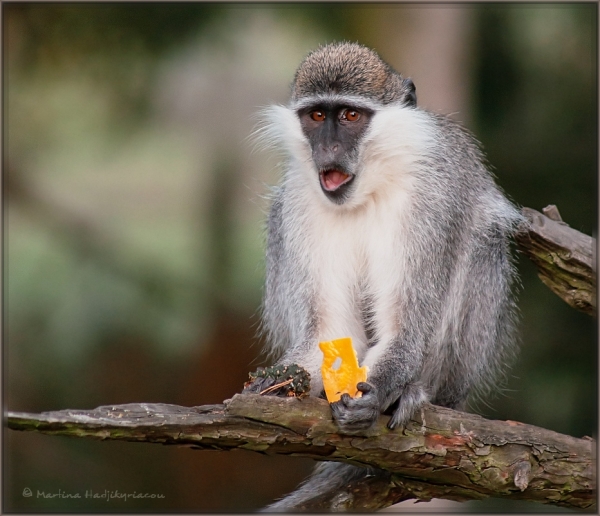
x=563, y=255
x=441, y=454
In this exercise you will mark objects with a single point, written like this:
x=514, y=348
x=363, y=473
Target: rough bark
x=441, y=454
x=563, y=255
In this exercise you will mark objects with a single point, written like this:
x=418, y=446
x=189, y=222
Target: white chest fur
x=355, y=261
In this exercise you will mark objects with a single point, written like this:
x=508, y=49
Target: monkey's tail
x=335, y=487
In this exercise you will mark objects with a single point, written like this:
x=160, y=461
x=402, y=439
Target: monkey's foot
x=357, y=414
x=412, y=399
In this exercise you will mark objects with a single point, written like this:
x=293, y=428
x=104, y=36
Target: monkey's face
x=335, y=131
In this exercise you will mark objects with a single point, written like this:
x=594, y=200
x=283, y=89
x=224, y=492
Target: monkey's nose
x=325, y=156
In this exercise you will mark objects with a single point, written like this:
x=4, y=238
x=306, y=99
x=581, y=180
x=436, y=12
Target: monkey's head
x=349, y=69
x=335, y=93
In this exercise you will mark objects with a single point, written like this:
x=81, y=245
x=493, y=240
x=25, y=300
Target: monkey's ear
x=410, y=98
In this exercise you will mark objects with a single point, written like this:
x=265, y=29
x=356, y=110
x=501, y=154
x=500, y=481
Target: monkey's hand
x=357, y=414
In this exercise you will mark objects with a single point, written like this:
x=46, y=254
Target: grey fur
x=325, y=476
x=454, y=313
x=350, y=69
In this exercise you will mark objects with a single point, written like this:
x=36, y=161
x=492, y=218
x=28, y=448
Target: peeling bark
x=563, y=256
x=440, y=454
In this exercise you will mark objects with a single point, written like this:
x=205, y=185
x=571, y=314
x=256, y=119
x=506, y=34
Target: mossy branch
x=440, y=454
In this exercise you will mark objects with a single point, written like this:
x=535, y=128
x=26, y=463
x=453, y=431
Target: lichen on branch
x=441, y=453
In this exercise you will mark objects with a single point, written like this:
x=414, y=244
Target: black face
x=334, y=132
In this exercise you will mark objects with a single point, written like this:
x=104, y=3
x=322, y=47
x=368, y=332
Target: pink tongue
x=334, y=178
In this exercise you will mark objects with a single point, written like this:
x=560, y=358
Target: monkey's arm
x=288, y=311
x=287, y=303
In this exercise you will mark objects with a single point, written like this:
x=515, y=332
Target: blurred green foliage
x=536, y=114
x=133, y=256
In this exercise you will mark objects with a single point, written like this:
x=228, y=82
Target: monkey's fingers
x=364, y=387
x=356, y=414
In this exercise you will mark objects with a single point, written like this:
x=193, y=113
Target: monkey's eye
x=350, y=115
x=317, y=116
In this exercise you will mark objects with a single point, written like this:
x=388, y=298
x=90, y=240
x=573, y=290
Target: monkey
x=388, y=227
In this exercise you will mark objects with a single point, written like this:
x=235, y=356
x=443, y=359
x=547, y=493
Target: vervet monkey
x=387, y=227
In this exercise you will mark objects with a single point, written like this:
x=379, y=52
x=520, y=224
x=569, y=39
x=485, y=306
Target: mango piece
x=342, y=379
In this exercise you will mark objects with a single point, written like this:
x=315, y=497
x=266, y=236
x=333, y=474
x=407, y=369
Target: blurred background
x=135, y=206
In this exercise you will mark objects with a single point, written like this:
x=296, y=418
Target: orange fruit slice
x=340, y=369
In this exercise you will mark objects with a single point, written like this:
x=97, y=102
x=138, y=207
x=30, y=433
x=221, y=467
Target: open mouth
x=332, y=179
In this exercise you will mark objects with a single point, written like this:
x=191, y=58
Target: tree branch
x=441, y=454
x=563, y=255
